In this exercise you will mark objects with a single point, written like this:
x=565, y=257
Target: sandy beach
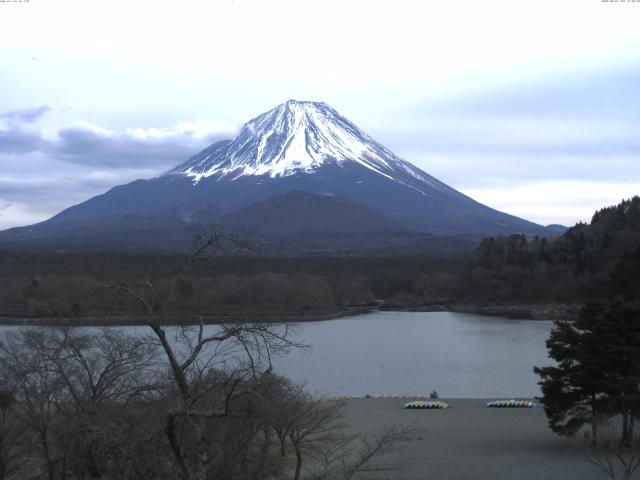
x=471, y=442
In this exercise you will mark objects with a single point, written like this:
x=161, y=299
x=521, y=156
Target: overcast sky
x=531, y=107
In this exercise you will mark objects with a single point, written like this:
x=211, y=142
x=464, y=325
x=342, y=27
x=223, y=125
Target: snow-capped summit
x=297, y=137
x=298, y=169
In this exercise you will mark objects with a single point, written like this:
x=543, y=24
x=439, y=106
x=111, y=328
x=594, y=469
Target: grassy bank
x=471, y=442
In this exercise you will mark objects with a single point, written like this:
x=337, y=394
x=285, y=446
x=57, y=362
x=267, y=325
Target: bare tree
x=313, y=423
x=70, y=390
x=103, y=373
x=38, y=391
x=10, y=437
x=245, y=349
x=618, y=458
x=318, y=432
x=357, y=456
x=280, y=399
x=193, y=402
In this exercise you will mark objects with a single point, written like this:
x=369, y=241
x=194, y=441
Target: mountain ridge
x=302, y=213
x=296, y=136
x=296, y=146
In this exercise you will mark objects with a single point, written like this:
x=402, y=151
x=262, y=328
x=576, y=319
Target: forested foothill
x=589, y=261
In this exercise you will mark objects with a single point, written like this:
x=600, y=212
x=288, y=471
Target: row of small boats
x=436, y=404
x=511, y=404
x=425, y=404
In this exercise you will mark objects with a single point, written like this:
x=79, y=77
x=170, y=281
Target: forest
x=590, y=261
x=201, y=403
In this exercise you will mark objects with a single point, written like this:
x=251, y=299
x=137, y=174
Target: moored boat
x=511, y=404
x=426, y=404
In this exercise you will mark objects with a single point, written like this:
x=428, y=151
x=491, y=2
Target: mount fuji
x=298, y=169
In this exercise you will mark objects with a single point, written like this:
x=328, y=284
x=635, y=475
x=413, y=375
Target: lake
x=412, y=353
x=397, y=353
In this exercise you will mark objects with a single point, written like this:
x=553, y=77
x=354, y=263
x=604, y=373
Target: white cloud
x=91, y=127
x=564, y=201
x=14, y=214
x=43, y=187
x=376, y=42
x=195, y=129
x=117, y=97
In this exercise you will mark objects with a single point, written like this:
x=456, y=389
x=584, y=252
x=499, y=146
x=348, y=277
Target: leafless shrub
x=356, y=456
x=617, y=458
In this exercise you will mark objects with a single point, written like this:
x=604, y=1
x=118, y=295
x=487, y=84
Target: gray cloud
x=88, y=147
x=581, y=126
x=28, y=115
x=17, y=141
x=40, y=187
x=96, y=147
x=17, y=136
x=41, y=176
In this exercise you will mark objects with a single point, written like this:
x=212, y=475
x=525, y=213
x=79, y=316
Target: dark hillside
x=588, y=261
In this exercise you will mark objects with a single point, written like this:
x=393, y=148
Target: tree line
x=595, y=381
x=72, y=286
x=589, y=261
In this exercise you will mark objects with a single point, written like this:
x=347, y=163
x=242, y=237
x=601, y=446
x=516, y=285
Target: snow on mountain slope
x=304, y=147
x=300, y=137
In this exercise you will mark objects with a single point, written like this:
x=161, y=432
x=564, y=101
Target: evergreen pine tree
x=598, y=369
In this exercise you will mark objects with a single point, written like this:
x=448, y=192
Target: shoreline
x=523, y=312
x=425, y=397
x=173, y=320
x=515, y=312
x=469, y=441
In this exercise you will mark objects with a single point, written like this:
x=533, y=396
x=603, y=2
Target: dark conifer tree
x=598, y=369
x=573, y=391
x=625, y=277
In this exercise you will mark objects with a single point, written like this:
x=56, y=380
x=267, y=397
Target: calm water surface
x=457, y=354
x=413, y=353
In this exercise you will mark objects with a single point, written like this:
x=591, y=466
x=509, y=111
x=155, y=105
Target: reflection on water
x=397, y=353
